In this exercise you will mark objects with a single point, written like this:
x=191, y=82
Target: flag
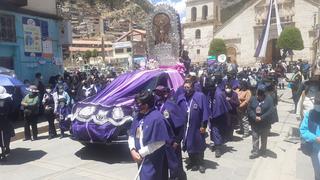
x=264, y=38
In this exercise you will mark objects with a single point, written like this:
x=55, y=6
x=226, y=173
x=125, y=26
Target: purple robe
x=219, y=111
x=64, y=123
x=154, y=129
x=219, y=105
x=194, y=141
x=176, y=119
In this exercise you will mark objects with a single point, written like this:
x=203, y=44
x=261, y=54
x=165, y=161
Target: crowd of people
x=52, y=102
x=221, y=101
x=213, y=101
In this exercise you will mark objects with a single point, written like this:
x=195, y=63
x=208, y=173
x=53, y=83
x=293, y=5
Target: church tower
x=202, y=17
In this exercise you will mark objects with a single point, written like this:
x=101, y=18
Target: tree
x=87, y=54
x=94, y=53
x=290, y=39
x=217, y=47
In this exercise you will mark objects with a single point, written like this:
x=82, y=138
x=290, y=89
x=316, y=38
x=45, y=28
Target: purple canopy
x=122, y=90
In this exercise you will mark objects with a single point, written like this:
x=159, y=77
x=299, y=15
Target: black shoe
x=239, y=132
x=26, y=139
x=189, y=166
x=212, y=148
x=263, y=153
x=34, y=138
x=245, y=136
x=218, y=153
x=202, y=169
x=195, y=168
x=7, y=151
x=253, y=156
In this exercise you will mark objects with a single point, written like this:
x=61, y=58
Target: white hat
x=3, y=93
x=33, y=88
x=193, y=74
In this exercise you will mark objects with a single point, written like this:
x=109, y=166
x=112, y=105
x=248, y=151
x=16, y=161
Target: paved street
x=67, y=159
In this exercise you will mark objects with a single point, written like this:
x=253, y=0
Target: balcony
x=18, y=3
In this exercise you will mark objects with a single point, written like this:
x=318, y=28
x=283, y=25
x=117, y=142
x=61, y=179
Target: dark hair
x=38, y=75
x=145, y=97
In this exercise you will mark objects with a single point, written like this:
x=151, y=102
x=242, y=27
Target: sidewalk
x=19, y=128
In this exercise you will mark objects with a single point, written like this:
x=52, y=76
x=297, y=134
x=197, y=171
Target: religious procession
x=166, y=116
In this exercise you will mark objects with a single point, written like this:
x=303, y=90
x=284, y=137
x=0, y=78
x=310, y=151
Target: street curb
x=41, y=129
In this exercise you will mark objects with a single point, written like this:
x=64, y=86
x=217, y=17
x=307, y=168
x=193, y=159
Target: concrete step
x=19, y=129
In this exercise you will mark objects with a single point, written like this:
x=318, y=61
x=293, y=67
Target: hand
x=202, y=130
x=175, y=145
x=136, y=156
x=258, y=119
x=228, y=99
x=318, y=140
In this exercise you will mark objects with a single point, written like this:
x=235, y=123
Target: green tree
x=87, y=54
x=217, y=47
x=94, y=53
x=290, y=39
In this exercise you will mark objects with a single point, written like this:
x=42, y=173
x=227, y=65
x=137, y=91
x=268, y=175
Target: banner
x=36, y=38
x=32, y=36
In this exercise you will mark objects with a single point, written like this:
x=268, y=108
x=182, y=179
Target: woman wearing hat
x=260, y=112
x=6, y=128
x=30, y=105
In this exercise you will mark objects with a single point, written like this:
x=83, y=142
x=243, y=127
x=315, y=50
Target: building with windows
x=129, y=47
x=202, y=18
x=30, y=38
x=242, y=32
x=79, y=47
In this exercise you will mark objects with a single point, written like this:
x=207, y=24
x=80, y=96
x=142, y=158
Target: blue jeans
x=315, y=157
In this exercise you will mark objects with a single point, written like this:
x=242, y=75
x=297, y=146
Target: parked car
x=106, y=117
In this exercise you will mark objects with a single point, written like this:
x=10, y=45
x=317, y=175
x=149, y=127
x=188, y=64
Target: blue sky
x=179, y=5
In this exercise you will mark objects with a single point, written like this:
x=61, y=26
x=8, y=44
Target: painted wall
x=305, y=24
x=241, y=27
x=192, y=44
x=26, y=66
x=44, y=6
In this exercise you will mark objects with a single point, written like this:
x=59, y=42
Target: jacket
x=309, y=135
x=267, y=112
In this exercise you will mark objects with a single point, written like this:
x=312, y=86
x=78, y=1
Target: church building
x=202, y=18
x=243, y=31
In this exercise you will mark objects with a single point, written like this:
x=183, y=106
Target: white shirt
x=145, y=149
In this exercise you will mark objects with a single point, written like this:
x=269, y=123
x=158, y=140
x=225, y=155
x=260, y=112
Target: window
x=119, y=51
x=198, y=34
x=193, y=14
x=198, y=51
x=7, y=28
x=129, y=49
x=204, y=12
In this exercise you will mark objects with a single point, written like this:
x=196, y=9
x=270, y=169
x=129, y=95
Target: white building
x=202, y=18
x=241, y=33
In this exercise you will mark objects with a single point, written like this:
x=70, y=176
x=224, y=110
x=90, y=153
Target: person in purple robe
x=219, y=108
x=233, y=100
x=181, y=90
x=147, y=139
x=63, y=111
x=176, y=121
x=195, y=105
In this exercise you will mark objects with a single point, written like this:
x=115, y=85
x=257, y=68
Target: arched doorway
x=273, y=54
x=232, y=54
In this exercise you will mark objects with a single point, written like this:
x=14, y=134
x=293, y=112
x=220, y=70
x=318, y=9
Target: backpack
x=307, y=147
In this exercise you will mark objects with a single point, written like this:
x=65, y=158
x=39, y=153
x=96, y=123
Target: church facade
x=242, y=32
x=202, y=18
